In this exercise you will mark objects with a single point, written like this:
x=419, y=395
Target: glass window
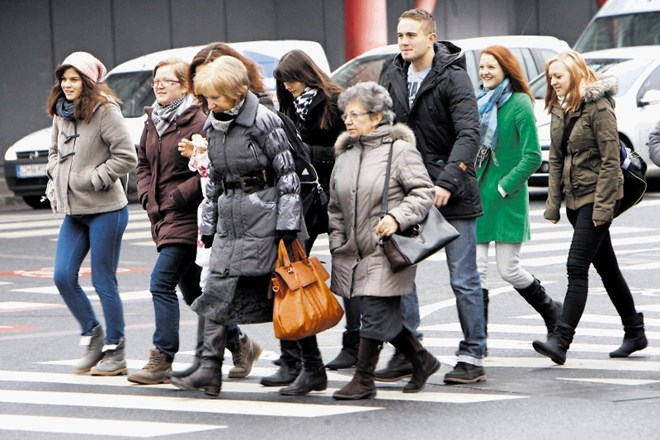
x=652, y=82
x=621, y=31
x=365, y=69
x=134, y=89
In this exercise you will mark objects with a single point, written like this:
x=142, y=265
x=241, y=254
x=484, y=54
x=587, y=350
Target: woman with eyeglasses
x=90, y=150
x=170, y=193
x=359, y=265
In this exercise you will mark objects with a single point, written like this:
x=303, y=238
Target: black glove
x=287, y=236
x=207, y=240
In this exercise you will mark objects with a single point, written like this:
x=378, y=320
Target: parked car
x=25, y=160
x=622, y=23
x=637, y=70
x=532, y=51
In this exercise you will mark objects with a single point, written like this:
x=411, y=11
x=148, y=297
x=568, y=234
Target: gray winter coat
x=86, y=160
x=359, y=266
x=245, y=224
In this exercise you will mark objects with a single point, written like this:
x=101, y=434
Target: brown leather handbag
x=303, y=304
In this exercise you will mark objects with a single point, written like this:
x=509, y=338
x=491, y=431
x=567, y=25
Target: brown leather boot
x=362, y=386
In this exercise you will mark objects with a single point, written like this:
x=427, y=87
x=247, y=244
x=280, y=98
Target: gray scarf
x=162, y=116
x=222, y=121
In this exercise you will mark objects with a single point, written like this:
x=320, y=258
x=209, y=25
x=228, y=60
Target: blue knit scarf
x=489, y=101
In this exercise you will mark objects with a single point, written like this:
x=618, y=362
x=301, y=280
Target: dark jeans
x=592, y=245
x=175, y=266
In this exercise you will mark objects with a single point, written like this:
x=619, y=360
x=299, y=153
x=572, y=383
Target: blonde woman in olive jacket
x=91, y=149
x=359, y=266
x=588, y=172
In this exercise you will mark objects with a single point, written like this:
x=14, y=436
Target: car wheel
x=36, y=203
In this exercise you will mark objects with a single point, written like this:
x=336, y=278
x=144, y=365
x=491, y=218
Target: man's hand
x=441, y=196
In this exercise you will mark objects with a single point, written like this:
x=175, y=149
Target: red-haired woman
x=508, y=155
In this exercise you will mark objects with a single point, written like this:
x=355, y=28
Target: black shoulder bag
x=418, y=242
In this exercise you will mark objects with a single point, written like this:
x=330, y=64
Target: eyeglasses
x=353, y=115
x=164, y=83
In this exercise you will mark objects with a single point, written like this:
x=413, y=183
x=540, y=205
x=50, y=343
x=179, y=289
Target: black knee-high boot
x=424, y=363
x=536, y=296
x=199, y=348
x=208, y=377
x=362, y=386
x=312, y=377
x=289, y=367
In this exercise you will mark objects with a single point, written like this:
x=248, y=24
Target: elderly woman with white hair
x=359, y=266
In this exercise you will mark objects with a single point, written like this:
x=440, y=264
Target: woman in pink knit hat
x=90, y=150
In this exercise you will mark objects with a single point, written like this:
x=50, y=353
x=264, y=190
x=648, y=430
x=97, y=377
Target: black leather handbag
x=418, y=242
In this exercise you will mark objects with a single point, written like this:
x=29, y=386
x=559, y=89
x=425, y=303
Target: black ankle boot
x=289, y=366
x=362, y=385
x=198, y=352
x=634, y=338
x=557, y=344
x=536, y=296
x=313, y=376
x=208, y=377
x=424, y=364
x=348, y=356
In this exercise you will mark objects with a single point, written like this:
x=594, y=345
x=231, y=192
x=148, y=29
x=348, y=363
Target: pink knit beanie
x=87, y=64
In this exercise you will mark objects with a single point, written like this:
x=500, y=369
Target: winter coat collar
x=446, y=54
x=389, y=133
x=605, y=87
x=247, y=114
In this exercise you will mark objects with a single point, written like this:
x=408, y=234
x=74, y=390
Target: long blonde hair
x=579, y=73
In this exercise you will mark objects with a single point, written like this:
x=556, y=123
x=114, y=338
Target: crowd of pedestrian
x=220, y=184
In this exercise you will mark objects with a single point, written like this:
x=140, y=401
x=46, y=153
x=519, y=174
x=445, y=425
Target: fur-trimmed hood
x=606, y=86
x=393, y=132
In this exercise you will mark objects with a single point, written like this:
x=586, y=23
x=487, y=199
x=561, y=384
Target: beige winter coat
x=85, y=162
x=359, y=267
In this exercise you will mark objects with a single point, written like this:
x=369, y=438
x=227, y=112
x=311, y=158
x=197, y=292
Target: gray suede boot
x=113, y=362
x=93, y=350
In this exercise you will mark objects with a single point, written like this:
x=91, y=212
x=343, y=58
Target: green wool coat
x=518, y=154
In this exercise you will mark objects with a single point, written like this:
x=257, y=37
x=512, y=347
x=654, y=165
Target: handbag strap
x=283, y=257
x=383, y=199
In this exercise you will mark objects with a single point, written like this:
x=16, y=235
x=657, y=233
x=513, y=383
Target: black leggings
x=589, y=245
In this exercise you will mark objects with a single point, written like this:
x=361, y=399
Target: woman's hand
x=599, y=223
x=386, y=226
x=187, y=147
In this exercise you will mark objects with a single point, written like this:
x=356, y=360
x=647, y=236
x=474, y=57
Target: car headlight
x=10, y=154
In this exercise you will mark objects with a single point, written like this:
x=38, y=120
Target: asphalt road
x=525, y=395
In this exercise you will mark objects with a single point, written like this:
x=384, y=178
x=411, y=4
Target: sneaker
x=248, y=352
x=398, y=368
x=155, y=371
x=465, y=373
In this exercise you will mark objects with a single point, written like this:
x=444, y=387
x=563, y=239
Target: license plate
x=33, y=170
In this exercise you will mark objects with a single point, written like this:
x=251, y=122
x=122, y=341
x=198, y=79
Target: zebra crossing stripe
x=180, y=404
x=104, y=427
x=385, y=392
x=610, y=381
x=629, y=364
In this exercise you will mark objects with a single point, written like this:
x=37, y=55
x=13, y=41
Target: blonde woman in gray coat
x=359, y=266
x=91, y=149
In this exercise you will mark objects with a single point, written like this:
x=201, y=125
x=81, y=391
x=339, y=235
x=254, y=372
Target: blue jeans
x=464, y=280
x=101, y=235
x=175, y=266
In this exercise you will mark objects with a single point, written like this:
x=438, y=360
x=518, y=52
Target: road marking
x=385, y=391
x=533, y=330
x=76, y=425
x=89, y=290
x=18, y=306
x=618, y=381
x=190, y=403
x=629, y=364
x=600, y=319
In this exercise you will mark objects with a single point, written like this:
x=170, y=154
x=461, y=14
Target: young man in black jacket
x=433, y=94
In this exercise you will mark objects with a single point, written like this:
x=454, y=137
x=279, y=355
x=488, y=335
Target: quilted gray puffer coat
x=244, y=224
